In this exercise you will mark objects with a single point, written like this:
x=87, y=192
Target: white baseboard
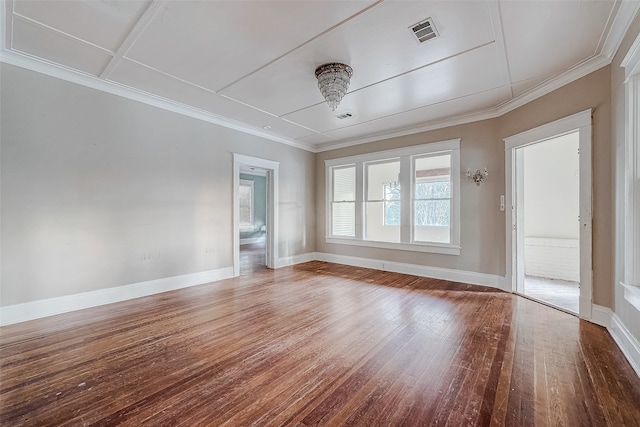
x=628, y=343
x=297, y=259
x=601, y=315
x=64, y=304
x=416, y=270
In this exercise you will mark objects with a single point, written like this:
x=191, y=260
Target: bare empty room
x=320, y=212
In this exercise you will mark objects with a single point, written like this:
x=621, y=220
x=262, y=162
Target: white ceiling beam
x=133, y=35
x=498, y=31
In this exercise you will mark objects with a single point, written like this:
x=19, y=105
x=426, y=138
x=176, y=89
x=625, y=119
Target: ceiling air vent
x=344, y=116
x=424, y=30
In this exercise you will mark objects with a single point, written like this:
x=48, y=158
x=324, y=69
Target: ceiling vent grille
x=424, y=30
x=344, y=116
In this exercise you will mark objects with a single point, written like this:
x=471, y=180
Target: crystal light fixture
x=477, y=177
x=333, y=82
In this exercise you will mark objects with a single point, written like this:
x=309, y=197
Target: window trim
x=406, y=156
x=629, y=203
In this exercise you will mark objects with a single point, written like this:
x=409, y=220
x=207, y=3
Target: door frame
x=272, y=169
x=514, y=245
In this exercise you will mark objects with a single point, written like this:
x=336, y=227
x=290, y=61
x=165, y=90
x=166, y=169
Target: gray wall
x=100, y=191
x=259, y=204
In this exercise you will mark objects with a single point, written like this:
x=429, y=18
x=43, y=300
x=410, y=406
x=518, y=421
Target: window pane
x=432, y=219
x=376, y=228
x=433, y=166
x=344, y=184
x=392, y=213
x=344, y=219
x=433, y=190
x=380, y=175
x=432, y=212
x=432, y=170
x=382, y=209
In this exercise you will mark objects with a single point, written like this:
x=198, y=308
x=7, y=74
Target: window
x=432, y=199
x=246, y=205
x=391, y=203
x=343, y=202
x=631, y=170
x=399, y=199
x=382, y=207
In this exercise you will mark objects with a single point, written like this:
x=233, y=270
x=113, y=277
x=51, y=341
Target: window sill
x=632, y=295
x=436, y=248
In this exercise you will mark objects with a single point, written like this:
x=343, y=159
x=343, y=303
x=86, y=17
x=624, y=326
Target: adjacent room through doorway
x=253, y=219
x=549, y=202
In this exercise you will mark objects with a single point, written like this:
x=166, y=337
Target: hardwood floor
x=317, y=344
x=253, y=258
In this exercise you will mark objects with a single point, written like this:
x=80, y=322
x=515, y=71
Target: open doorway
x=253, y=219
x=255, y=214
x=548, y=185
x=547, y=168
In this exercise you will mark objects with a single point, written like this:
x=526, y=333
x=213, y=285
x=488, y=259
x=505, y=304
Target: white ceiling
x=250, y=64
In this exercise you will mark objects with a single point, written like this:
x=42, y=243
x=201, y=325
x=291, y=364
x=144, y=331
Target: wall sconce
x=478, y=176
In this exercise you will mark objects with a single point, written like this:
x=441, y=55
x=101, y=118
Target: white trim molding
x=620, y=21
x=462, y=276
x=601, y=315
x=297, y=259
x=628, y=344
x=240, y=161
x=514, y=235
x=628, y=178
x=51, y=306
x=406, y=159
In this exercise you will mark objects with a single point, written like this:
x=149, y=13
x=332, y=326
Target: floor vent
x=424, y=30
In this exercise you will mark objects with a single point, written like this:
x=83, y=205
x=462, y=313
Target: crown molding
x=621, y=22
x=113, y=88
x=626, y=13
x=453, y=121
x=545, y=88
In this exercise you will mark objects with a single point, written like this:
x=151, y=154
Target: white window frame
x=332, y=202
x=406, y=156
x=630, y=198
x=247, y=227
x=428, y=180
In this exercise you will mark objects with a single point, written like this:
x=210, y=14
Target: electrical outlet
x=502, y=202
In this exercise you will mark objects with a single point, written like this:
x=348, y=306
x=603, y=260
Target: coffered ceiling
x=250, y=65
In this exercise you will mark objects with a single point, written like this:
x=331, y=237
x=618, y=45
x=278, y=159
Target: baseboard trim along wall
x=64, y=304
x=601, y=315
x=463, y=276
x=297, y=259
x=627, y=343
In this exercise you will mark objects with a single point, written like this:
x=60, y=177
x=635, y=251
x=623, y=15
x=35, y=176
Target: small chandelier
x=333, y=82
x=477, y=177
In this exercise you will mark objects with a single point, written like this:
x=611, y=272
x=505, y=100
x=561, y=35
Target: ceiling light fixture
x=333, y=82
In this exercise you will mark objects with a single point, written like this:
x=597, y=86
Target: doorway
x=547, y=208
x=548, y=239
x=255, y=214
x=253, y=219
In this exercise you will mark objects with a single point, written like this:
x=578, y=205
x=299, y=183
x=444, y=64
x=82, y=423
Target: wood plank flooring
x=317, y=344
